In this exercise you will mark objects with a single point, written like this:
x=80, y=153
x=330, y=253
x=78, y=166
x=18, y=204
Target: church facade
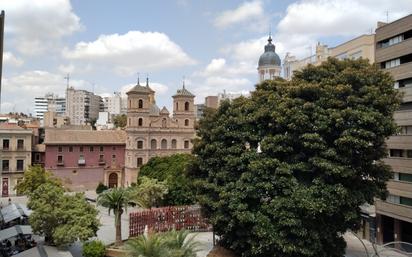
x=152, y=131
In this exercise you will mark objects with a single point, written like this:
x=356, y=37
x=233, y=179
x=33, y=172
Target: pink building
x=83, y=158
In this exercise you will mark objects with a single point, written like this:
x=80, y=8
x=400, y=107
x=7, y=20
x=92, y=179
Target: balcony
x=399, y=142
x=400, y=188
x=393, y=51
x=402, y=71
x=399, y=164
x=398, y=211
x=81, y=162
x=60, y=163
x=403, y=118
x=102, y=162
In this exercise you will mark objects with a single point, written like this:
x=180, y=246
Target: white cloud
x=10, y=59
x=128, y=53
x=38, y=26
x=248, y=13
x=32, y=83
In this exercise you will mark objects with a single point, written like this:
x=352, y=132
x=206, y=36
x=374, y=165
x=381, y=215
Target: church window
x=139, y=162
x=164, y=144
x=186, y=122
x=140, y=122
x=186, y=144
x=153, y=144
x=186, y=106
x=174, y=143
x=177, y=106
x=140, y=103
x=140, y=144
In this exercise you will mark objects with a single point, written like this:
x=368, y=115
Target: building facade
x=82, y=106
x=116, y=104
x=393, y=43
x=84, y=158
x=359, y=47
x=49, y=102
x=15, y=156
x=269, y=62
x=152, y=131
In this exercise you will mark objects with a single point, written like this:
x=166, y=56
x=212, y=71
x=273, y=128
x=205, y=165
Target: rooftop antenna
x=67, y=78
x=138, y=78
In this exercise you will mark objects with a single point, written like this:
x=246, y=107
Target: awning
x=14, y=231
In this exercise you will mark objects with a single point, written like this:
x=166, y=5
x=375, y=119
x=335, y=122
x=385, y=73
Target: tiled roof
x=164, y=110
x=183, y=92
x=10, y=126
x=140, y=89
x=98, y=137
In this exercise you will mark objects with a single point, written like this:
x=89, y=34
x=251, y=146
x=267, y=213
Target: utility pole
x=2, y=16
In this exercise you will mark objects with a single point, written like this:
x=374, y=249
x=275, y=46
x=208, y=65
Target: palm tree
x=115, y=199
x=180, y=245
x=151, y=245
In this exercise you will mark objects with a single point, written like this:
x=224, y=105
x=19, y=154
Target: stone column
x=379, y=229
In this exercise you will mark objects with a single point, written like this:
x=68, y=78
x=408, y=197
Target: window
x=392, y=199
x=186, y=122
x=81, y=148
x=101, y=158
x=130, y=103
x=396, y=153
x=81, y=161
x=186, y=144
x=60, y=149
x=130, y=121
x=6, y=144
x=405, y=200
x=101, y=148
x=60, y=159
x=409, y=153
x=5, y=165
x=177, y=106
x=140, y=103
x=139, y=162
x=356, y=55
x=391, y=63
x=91, y=149
x=113, y=157
x=70, y=148
x=20, y=165
x=405, y=177
x=153, y=144
x=20, y=144
x=140, y=144
x=174, y=143
x=186, y=106
x=140, y=122
x=37, y=157
x=164, y=144
x=114, y=148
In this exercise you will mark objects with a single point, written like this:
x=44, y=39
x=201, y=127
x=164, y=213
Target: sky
x=211, y=45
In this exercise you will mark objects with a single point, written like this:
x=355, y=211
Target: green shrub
x=94, y=249
x=100, y=188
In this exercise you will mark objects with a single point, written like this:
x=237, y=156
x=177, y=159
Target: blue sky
x=214, y=44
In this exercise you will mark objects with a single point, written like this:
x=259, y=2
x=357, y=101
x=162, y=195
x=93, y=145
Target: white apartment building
x=116, y=104
x=50, y=102
x=82, y=106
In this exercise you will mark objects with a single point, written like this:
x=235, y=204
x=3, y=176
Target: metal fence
x=168, y=218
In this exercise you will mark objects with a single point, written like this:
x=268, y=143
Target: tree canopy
x=120, y=121
x=172, y=170
x=34, y=176
x=148, y=192
x=283, y=173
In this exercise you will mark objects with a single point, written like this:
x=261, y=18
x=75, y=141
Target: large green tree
x=283, y=173
x=61, y=218
x=173, y=171
x=148, y=192
x=35, y=176
x=120, y=121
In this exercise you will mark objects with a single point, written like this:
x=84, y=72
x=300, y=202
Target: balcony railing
x=60, y=163
x=102, y=162
x=81, y=162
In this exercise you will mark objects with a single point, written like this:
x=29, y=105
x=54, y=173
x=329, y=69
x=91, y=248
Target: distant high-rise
x=1, y=48
x=82, y=106
x=51, y=103
x=115, y=104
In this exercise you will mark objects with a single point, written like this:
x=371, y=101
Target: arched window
x=140, y=122
x=130, y=121
x=164, y=144
x=153, y=144
x=174, y=143
x=186, y=144
x=140, y=144
x=186, y=122
x=186, y=106
x=140, y=103
x=130, y=103
x=164, y=123
x=177, y=106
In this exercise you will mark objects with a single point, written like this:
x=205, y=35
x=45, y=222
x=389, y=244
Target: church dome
x=269, y=57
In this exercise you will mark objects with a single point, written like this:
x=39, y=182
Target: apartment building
x=15, y=155
x=49, y=102
x=359, y=47
x=82, y=106
x=393, y=43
